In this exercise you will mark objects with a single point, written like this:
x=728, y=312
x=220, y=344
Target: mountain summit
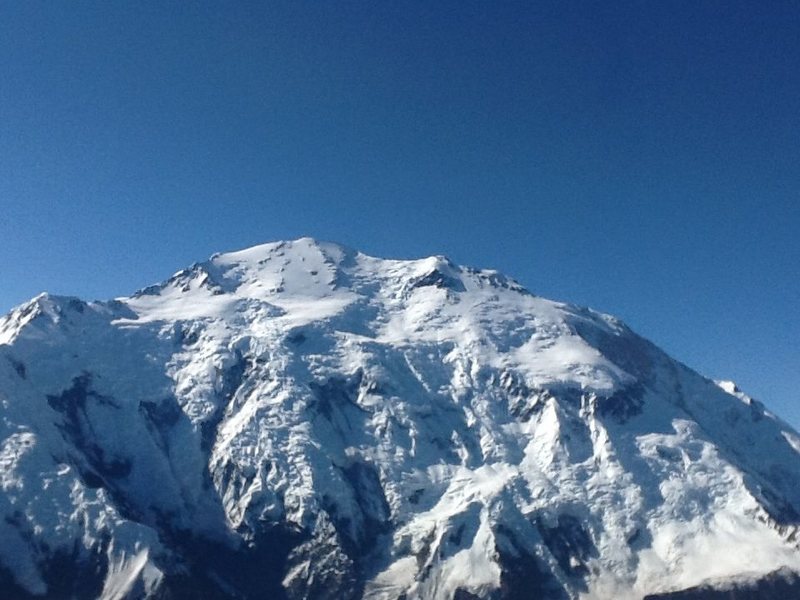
x=300, y=420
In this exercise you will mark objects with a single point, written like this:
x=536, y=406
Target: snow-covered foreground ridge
x=301, y=420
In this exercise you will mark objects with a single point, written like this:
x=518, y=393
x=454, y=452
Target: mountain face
x=299, y=420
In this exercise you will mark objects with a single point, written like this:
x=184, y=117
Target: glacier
x=301, y=420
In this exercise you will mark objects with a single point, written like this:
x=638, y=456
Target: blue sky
x=641, y=158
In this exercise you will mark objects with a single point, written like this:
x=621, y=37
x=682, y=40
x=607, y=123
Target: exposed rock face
x=300, y=420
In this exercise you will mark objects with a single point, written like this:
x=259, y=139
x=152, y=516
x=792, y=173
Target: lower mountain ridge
x=299, y=420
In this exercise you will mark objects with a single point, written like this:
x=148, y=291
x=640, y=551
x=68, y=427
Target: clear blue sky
x=642, y=158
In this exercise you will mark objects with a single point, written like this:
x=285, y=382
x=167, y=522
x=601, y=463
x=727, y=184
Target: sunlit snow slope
x=301, y=420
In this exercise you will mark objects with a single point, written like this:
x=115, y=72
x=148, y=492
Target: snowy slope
x=301, y=420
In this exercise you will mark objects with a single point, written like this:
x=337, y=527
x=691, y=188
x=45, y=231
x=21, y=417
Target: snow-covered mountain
x=301, y=420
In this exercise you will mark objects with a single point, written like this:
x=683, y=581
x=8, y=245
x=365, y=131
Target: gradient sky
x=642, y=158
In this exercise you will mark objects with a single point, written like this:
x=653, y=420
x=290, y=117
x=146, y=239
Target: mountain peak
x=301, y=420
x=298, y=249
